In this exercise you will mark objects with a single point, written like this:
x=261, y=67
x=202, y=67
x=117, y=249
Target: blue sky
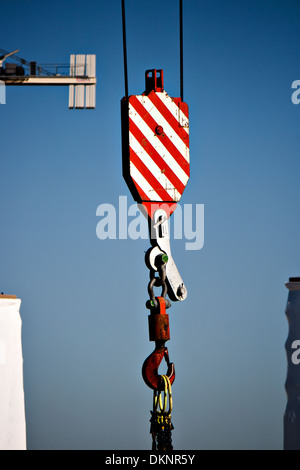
x=85, y=332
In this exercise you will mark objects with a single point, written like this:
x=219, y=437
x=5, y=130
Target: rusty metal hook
x=151, y=365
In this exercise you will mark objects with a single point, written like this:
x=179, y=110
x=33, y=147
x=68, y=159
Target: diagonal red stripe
x=143, y=195
x=146, y=173
x=154, y=155
x=164, y=139
x=166, y=113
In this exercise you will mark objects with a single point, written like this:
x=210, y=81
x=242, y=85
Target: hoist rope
x=181, y=49
x=124, y=49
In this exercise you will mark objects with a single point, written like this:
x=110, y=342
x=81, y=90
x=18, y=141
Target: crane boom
x=79, y=75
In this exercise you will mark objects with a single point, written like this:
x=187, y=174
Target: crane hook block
x=155, y=145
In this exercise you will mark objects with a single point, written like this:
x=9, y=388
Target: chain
x=161, y=425
x=161, y=430
x=157, y=282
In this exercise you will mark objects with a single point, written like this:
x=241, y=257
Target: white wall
x=12, y=409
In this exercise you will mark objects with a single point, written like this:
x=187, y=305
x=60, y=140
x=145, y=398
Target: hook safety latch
x=160, y=333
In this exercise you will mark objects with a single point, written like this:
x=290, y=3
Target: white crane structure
x=79, y=76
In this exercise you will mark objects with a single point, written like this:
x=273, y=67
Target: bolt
x=164, y=258
x=159, y=130
x=161, y=259
x=181, y=291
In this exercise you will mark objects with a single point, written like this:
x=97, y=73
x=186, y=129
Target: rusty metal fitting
x=159, y=332
x=158, y=322
x=151, y=365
